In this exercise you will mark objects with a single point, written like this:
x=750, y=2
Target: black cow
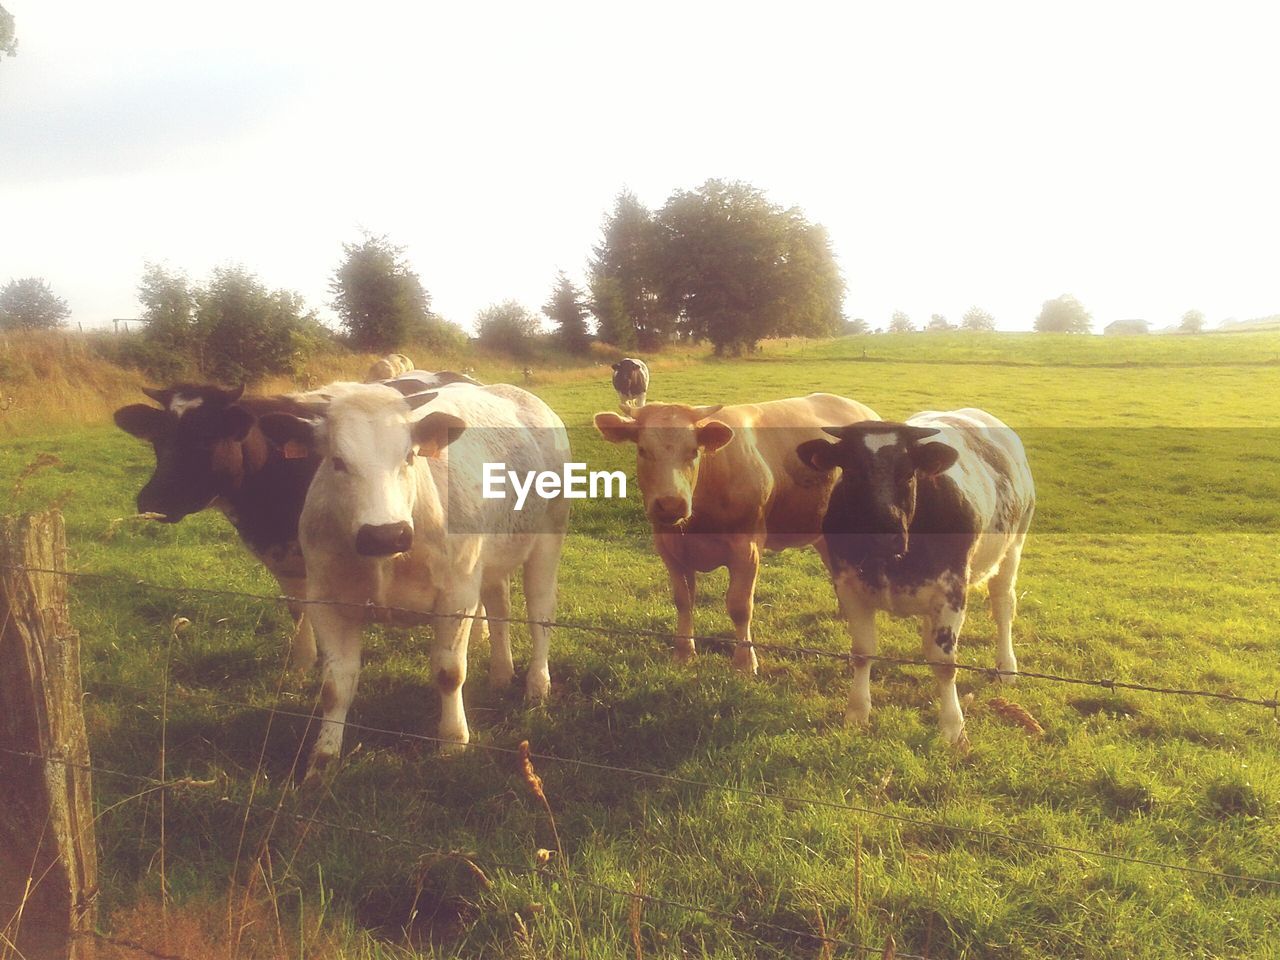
x=923, y=511
x=210, y=453
x=631, y=380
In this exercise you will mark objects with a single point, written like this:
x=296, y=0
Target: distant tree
x=900, y=323
x=938, y=322
x=507, y=326
x=8, y=34
x=1192, y=322
x=625, y=291
x=740, y=268
x=30, y=304
x=379, y=299
x=975, y=318
x=1063, y=315
x=566, y=310
x=168, y=305
x=247, y=331
x=855, y=326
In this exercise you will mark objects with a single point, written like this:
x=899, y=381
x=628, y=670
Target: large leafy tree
x=8, y=34
x=567, y=311
x=937, y=323
x=31, y=304
x=247, y=331
x=740, y=268
x=169, y=306
x=1064, y=314
x=379, y=299
x=507, y=326
x=1192, y=322
x=975, y=318
x=626, y=292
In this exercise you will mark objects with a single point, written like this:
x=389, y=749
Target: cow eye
x=339, y=465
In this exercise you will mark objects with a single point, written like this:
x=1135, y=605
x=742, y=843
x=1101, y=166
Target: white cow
x=392, y=365
x=395, y=517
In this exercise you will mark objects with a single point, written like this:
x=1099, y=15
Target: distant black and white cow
x=923, y=511
x=210, y=453
x=631, y=380
x=396, y=517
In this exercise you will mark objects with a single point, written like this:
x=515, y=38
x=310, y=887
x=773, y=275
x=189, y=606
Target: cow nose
x=148, y=502
x=384, y=539
x=669, y=509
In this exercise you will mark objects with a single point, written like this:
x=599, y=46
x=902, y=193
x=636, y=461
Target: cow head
x=367, y=442
x=881, y=465
x=670, y=440
x=196, y=434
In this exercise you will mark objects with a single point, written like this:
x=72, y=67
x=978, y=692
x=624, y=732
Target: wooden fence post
x=48, y=854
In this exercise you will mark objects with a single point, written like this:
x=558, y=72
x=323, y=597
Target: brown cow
x=720, y=491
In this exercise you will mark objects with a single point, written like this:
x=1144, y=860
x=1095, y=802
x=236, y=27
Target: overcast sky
x=958, y=153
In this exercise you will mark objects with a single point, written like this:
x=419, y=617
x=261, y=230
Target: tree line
x=720, y=264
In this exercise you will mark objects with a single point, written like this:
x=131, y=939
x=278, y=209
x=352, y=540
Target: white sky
x=958, y=153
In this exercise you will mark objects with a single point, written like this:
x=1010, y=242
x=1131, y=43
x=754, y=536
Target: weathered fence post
x=48, y=854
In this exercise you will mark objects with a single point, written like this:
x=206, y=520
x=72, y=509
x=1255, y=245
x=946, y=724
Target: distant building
x=1123, y=328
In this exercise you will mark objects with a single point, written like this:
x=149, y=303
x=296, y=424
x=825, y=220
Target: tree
x=1063, y=315
x=901, y=323
x=739, y=268
x=857, y=325
x=8, y=34
x=938, y=322
x=246, y=331
x=1192, y=322
x=625, y=292
x=379, y=299
x=168, y=305
x=566, y=310
x=507, y=326
x=975, y=318
x=30, y=304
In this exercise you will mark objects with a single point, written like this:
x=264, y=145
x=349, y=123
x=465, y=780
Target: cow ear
x=713, y=435
x=162, y=397
x=295, y=436
x=616, y=365
x=819, y=454
x=436, y=431
x=234, y=394
x=140, y=420
x=932, y=459
x=617, y=429
x=235, y=423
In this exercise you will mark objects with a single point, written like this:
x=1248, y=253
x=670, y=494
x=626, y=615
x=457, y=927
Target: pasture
x=1152, y=559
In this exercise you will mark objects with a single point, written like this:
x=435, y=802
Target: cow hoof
x=960, y=744
x=537, y=686
x=319, y=769
x=500, y=682
x=858, y=719
x=744, y=660
x=684, y=651
x=452, y=748
x=1007, y=674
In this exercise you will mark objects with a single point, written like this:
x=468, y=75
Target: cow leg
x=337, y=634
x=540, y=573
x=684, y=585
x=454, y=610
x=940, y=636
x=480, y=626
x=825, y=553
x=302, y=646
x=861, y=618
x=744, y=567
x=1004, y=607
x=496, y=595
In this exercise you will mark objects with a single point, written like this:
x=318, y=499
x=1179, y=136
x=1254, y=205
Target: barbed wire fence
x=754, y=928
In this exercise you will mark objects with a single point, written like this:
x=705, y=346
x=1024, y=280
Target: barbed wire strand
x=423, y=850
x=720, y=640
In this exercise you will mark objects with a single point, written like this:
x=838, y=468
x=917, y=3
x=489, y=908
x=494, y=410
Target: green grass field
x=1152, y=560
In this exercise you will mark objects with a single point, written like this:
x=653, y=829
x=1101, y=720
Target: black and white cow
x=210, y=453
x=923, y=511
x=631, y=380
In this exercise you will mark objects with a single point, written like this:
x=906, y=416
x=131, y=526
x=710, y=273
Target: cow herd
x=364, y=500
